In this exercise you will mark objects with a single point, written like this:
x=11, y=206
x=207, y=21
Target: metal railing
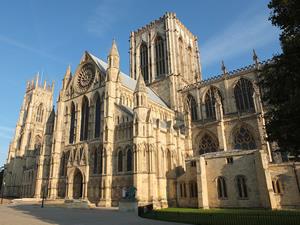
x=232, y=217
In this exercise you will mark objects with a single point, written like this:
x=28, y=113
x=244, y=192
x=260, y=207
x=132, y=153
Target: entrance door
x=77, y=184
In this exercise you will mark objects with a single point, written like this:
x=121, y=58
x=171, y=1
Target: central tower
x=167, y=55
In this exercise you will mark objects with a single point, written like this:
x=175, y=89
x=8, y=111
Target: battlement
x=226, y=75
x=38, y=84
x=167, y=15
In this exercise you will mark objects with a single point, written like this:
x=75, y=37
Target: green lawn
x=227, y=216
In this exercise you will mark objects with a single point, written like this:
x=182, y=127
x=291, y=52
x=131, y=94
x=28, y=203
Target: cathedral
x=181, y=141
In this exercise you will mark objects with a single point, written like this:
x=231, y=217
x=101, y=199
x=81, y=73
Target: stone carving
x=85, y=78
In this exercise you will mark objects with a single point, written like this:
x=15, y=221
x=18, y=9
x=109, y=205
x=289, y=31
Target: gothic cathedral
x=181, y=141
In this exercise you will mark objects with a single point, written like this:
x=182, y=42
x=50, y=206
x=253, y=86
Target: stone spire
x=114, y=49
x=140, y=84
x=255, y=58
x=37, y=80
x=223, y=68
x=67, y=78
x=113, y=61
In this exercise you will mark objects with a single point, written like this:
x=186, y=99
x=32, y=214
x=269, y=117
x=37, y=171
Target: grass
x=226, y=216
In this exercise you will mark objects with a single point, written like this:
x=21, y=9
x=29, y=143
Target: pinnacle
x=114, y=50
x=140, y=84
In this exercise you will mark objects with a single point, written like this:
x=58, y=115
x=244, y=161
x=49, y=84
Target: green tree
x=280, y=79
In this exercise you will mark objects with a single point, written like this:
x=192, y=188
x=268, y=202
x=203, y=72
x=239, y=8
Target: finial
x=114, y=50
x=52, y=87
x=223, y=68
x=140, y=84
x=255, y=58
x=37, y=80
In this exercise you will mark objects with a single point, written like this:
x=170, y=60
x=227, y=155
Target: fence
x=256, y=217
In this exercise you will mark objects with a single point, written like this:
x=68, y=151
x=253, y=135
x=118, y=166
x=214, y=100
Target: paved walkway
x=35, y=215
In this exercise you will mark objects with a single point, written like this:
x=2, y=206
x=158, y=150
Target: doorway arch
x=77, y=184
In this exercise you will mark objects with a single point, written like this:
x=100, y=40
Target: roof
x=128, y=82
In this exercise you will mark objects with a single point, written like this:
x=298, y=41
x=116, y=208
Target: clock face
x=85, y=78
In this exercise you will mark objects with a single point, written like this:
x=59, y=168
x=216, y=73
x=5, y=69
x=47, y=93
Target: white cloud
x=107, y=13
x=250, y=31
x=20, y=45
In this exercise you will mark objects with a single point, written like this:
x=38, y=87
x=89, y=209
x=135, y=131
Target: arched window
x=243, y=92
x=210, y=102
x=241, y=186
x=221, y=187
x=120, y=161
x=144, y=61
x=160, y=57
x=101, y=159
x=84, y=119
x=97, y=117
x=95, y=169
x=193, y=189
x=207, y=144
x=39, y=113
x=181, y=56
x=190, y=62
x=72, y=124
x=192, y=107
x=277, y=186
x=129, y=160
x=37, y=143
x=169, y=160
x=63, y=164
x=243, y=139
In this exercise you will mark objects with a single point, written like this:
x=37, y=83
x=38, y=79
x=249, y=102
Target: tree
x=280, y=79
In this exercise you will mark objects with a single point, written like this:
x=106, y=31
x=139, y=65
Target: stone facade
x=180, y=140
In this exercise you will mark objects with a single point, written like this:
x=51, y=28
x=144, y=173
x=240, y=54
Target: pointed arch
x=190, y=61
x=40, y=113
x=192, y=104
x=243, y=138
x=181, y=56
x=210, y=100
x=84, y=119
x=37, y=143
x=129, y=159
x=169, y=160
x=221, y=188
x=144, y=61
x=160, y=56
x=277, y=185
x=95, y=158
x=120, y=161
x=97, y=116
x=207, y=143
x=63, y=164
x=241, y=186
x=243, y=93
x=72, y=124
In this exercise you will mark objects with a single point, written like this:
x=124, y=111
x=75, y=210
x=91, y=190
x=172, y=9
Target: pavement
x=30, y=214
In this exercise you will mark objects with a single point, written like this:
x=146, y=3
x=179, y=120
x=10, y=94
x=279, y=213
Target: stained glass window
x=243, y=139
x=243, y=92
x=207, y=144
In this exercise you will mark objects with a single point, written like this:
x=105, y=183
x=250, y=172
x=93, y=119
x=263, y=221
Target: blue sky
x=46, y=36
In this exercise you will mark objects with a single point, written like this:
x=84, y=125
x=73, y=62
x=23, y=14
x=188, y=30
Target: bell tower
x=167, y=54
x=29, y=134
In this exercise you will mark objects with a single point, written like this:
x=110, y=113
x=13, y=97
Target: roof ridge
x=152, y=95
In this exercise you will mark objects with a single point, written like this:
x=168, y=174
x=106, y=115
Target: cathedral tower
x=168, y=56
x=29, y=134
